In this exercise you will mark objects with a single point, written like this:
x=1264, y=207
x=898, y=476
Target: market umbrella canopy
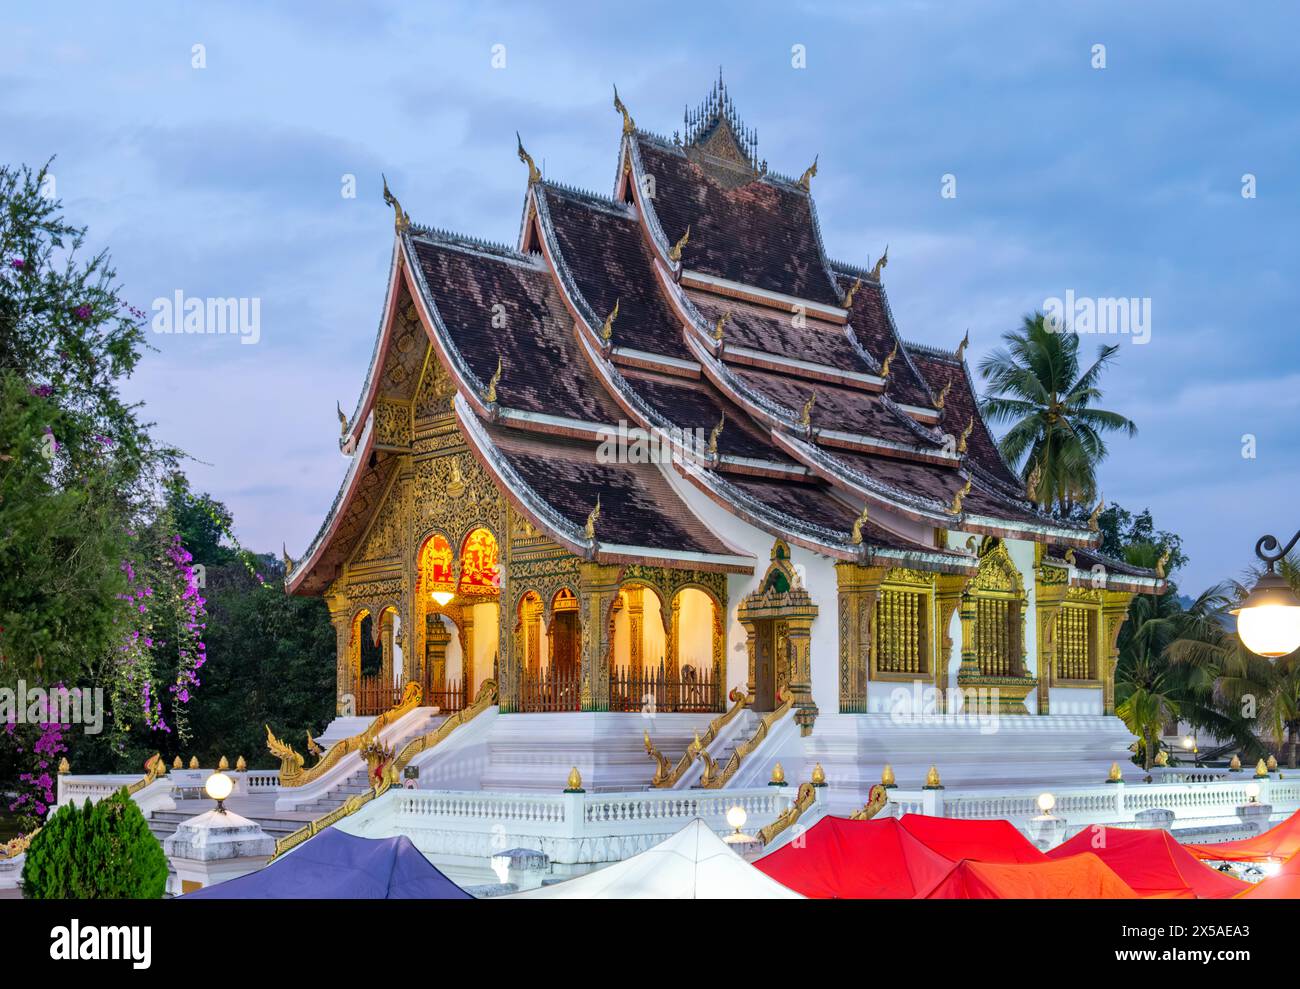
x=1078, y=877
x=1277, y=844
x=335, y=865
x=980, y=840
x=1152, y=862
x=693, y=864
x=874, y=860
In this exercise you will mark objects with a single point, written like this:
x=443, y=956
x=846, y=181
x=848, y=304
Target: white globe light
x=1252, y=792
x=737, y=817
x=1270, y=868
x=219, y=786
x=1268, y=620
x=1046, y=802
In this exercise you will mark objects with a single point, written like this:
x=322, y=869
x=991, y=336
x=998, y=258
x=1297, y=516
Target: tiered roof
x=698, y=296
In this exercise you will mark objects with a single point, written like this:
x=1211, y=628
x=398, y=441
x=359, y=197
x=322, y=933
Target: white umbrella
x=693, y=864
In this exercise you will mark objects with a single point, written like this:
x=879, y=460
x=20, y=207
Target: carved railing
x=292, y=773
x=664, y=776
x=806, y=797
x=487, y=696
x=712, y=778
x=384, y=769
x=654, y=689
x=154, y=769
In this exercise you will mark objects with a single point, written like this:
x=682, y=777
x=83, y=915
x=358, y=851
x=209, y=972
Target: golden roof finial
x=1162, y=563
x=889, y=359
x=177, y=764
x=1069, y=556
x=959, y=497
x=490, y=394
x=400, y=218
x=1096, y=514
x=965, y=435
x=629, y=126
x=809, y=173
x=847, y=301
x=64, y=767
x=887, y=777
x=942, y=398
x=1261, y=769
x=778, y=776
x=932, y=781
x=879, y=266
x=720, y=325
x=223, y=764
x=241, y=766
x=818, y=775
x=1272, y=763
x=288, y=560
x=858, y=523
x=574, y=783
x=675, y=255
x=607, y=331
x=343, y=420
x=534, y=176
x=961, y=347
x=713, y=436
x=194, y=762
x=1114, y=776
x=805, y=417
x=1034, y=481
x=1234, y=764
x=592, y=518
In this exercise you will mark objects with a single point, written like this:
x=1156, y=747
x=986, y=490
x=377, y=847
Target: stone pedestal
x=1155, y=818
x=214, y=847
x=523, y=868
x=1255, y=816
x=1046, y=831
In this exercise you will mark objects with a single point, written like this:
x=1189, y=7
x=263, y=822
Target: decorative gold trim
x=675, y=255
x=877, y=798
x=739, y=700
x=805, y=798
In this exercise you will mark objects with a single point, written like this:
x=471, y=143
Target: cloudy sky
x=1122, y=181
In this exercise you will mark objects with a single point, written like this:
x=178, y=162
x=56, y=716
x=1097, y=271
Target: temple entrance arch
x=778, y=619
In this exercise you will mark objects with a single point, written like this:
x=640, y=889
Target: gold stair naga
x=384, y=769
x=665, y=777
x=154, y=769
x=877, y=797
x=293, y=774
x=712, y=778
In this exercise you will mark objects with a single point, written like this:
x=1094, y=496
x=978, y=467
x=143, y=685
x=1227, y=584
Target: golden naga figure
x=590, y=530
x=534, y=174
x=290, y=761
x=847, y=301
x=713, y=436
x=607, y=331
x=858, y=523
x=942, y=397
x=889, y=359
x=663, y=767
x=401, y=220
x=877, y=797
x=809, y=173
x=961, y=347
x=629, y=126
x=805, y=417
x=880, y=264
x=675, y=255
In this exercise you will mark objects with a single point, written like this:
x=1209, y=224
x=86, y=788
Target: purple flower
x=18, y=264
x=82, y=312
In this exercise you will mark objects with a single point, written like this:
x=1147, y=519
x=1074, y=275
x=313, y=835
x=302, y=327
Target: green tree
x=77, y=466
x=1055, y=429
x=100, y=851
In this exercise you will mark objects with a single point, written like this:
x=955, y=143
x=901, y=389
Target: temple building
x=663, y=457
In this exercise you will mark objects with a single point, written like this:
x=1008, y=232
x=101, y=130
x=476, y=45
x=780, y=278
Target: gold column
x=339, y=608
x=673, y=660
x=799, y=637
x=859, y=590
x=1050, y=587
x=1114, y=609
x=386, y=648
x=950, y=590
x=597, y=589
x=635, y=628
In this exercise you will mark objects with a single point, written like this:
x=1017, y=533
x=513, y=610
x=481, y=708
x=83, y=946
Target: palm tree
x=1148, y=704
x=1036, y=386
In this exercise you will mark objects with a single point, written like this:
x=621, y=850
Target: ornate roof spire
x=717, y=112
x=401, y=219
x=629, y=125
x=534, y=175
x=809, y=173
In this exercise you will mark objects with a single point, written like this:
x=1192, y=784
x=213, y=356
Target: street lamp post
x=1268, y=620
x=1189, y=743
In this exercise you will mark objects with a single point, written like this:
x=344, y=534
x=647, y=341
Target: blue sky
x=1122, y=181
